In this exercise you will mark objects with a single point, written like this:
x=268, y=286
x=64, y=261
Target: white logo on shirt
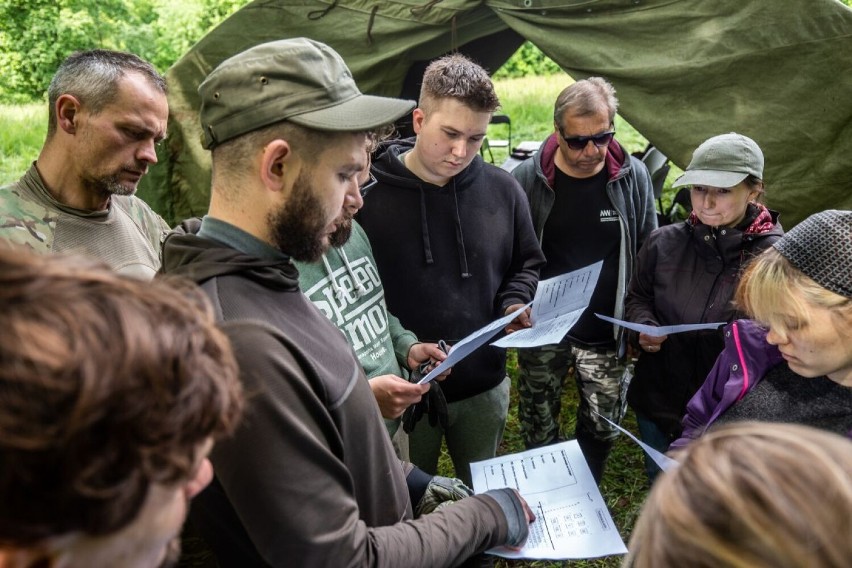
x=608, y=215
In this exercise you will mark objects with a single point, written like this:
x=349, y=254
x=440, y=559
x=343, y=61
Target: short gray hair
x=585, y=98
x=93, y=76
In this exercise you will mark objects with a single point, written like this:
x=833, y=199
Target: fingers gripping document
x=572, y=520
x=470, y=343
x=558, y=304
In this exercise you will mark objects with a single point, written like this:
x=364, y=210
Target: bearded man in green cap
x=311, y=478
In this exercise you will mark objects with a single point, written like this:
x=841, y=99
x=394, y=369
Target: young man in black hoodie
x=455, y=247
x=310, y=479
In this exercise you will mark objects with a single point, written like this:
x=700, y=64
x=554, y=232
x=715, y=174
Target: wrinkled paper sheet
x=469, y=344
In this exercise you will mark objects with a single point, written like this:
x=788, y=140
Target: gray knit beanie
x=821, y=247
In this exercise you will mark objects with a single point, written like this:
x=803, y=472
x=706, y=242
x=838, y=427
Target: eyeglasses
x=580, y=142
x=365, y=187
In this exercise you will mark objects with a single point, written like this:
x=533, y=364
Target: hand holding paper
x=522, y=321
x=469, y=344
x=559, y=302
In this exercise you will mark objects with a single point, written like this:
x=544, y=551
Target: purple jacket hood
x=744, y=361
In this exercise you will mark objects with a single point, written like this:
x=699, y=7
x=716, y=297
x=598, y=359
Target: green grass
x=22, y=130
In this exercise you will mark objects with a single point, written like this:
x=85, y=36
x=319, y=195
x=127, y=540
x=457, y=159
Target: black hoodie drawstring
x=424, y=231
x=424, y=228
x=465, y=271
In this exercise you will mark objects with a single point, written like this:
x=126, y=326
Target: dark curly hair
x=107, y=385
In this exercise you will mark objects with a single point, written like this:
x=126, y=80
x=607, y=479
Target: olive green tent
x=779, y=71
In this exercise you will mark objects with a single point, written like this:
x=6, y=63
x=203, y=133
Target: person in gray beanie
x=793, y=362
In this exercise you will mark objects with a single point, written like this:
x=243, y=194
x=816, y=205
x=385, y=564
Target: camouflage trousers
x=602, y=382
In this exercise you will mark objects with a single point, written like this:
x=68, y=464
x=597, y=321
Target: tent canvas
x=779, y=71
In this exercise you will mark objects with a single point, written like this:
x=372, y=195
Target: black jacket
x=310, y=477
x=688, y=273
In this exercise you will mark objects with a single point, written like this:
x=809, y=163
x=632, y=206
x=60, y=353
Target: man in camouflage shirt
x=107, y=111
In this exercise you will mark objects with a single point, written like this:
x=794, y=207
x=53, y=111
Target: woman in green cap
x=687, y=273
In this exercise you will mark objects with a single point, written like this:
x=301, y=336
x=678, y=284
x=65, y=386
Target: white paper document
x=469, y=344
x=662, y=460
x=558, y=304
x=659, y=331
x=572, y=520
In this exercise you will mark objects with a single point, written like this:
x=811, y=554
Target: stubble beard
x=109, y=185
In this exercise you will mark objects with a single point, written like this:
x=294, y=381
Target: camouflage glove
x=441, y=492
x=432, y=404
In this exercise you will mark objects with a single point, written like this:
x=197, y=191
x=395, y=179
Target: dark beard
x=341, y=234
x=297, y=227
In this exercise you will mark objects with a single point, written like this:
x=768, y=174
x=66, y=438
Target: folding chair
x=488, y=144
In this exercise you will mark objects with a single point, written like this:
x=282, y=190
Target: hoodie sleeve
x=294, y=494
x=402, y=340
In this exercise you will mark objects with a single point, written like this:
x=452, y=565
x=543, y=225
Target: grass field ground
x=22, y=130
x=529, y=103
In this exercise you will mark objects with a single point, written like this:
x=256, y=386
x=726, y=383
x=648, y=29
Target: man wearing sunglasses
x=590, y=201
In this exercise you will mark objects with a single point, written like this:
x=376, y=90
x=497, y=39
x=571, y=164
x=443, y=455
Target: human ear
x=276, y=164
x=418, y=117
x=67, y=113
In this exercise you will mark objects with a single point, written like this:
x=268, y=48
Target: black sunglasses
x=367, y=185
x=580, y=142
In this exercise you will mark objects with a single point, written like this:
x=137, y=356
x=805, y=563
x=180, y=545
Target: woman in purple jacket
x=795, y=365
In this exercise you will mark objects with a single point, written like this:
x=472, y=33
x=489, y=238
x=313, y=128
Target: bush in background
x=528, y=60
x=35, y=36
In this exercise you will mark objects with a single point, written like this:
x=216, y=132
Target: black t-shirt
x=582, y=229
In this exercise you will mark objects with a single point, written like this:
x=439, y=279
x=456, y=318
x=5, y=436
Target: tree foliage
x=528, y=60
x=35, y=36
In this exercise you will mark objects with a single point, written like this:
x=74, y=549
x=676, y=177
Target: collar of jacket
x=614, y=160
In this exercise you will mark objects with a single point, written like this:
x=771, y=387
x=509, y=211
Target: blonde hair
x=751, y=495
x=774, y=292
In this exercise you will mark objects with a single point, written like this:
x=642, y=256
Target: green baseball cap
x=299, y=80
x=723, y=161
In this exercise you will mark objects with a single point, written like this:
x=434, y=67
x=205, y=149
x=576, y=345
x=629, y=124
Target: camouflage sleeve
x=24, y=222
